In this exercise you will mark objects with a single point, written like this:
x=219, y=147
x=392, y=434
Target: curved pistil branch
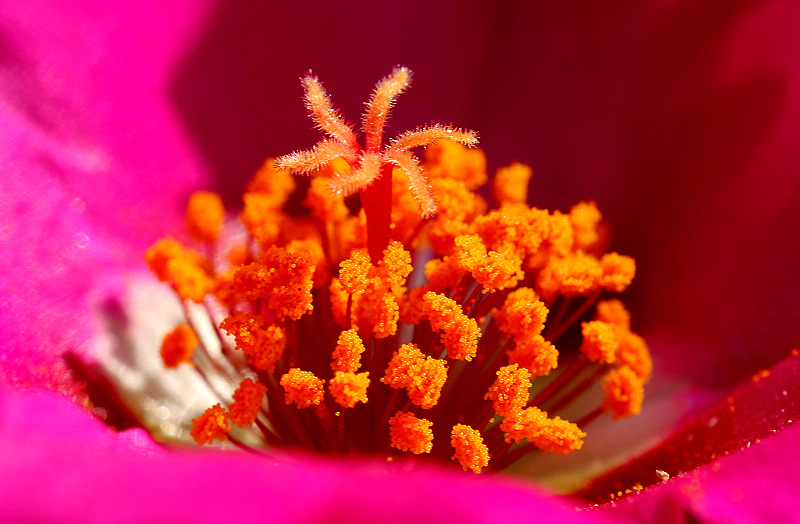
x=380, y=104
x=324, y=115
x=373, y=161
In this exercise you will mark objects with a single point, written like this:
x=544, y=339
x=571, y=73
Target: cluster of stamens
x=335, y=341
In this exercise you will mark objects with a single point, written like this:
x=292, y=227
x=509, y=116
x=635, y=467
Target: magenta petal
x=60, y=465
x=758, y=484
x=767, y=403
x=95, y=165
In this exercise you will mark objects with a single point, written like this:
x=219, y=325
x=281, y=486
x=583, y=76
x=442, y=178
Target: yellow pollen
x=384, y=316
x=523, y=315
x=187, y=271
x=624, y=393
x=178, y=346
x=269, y=180
x=261, y=218
x=618, y=272
x=395, y=267
x=324, y=205
x=576, y=274
x=510, y=184
x=442, y=274
x=347, y=389
x=422, y=377
x=493, y=271
x=303, y=388
x=211, y=425
x=409, y=433
x=263, y=345
x=514, y=229
x=585, y=218
x=459, y=333
x=535, y=354
x=450, y=160
x=286, y=278
x=354, y=272
x=633, y=353
x=555, y=435
x=247, y=401
x=560, y=237
x=347, y=355
x=509, y=393
x=614, y=312
x=600, y=342
x=204, y=216
x=471, y=452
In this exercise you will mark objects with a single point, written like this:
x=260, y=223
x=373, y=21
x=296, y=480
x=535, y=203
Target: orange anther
x=247, y=400
x=471, y=452
x=178, y=346
x=409, y=433
x=303, y=388
x=211, y=425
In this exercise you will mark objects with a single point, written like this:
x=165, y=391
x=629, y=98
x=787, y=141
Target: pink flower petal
x=60, y=465
x=766, y=404
x=759, y=484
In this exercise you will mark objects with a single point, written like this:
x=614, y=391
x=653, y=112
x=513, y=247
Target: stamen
x=509, y=393
x=523, y=315
x=599, y=341
x=247, y=401
x=624, y=393
x=614, y=312
x=585, y=218
x=422, y=377
x=554, y=435
x=618, y=272
x=204, y=216
x=185, y=269
x=493, y=271
x=211, y=425
x=409, y=433
x=348, y=389
x=354, y=272
x=303, y=388
x=459, y=333
x=178, y=346
x=471, y=452
x=535, y=354
x=510, y=184
x=347, y=355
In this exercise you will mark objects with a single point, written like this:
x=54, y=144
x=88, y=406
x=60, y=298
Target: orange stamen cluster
x=459, y=333
x=211, y=425
x=178, y=346
x=471, y=452
x=204, y=216
x=624, y=393
x=247, y=400
x=347, y=355
x=187, y=270
x=422, y=377
x=302, y=387
x=409, y=433
x=308, y=306
x=349, y=388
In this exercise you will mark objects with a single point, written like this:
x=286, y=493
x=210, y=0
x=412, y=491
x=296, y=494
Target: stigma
x=400, y=313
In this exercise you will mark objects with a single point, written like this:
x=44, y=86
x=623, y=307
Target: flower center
x=373, y=326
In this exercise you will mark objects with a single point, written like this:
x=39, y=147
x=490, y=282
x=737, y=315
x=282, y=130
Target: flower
x=642, y=102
